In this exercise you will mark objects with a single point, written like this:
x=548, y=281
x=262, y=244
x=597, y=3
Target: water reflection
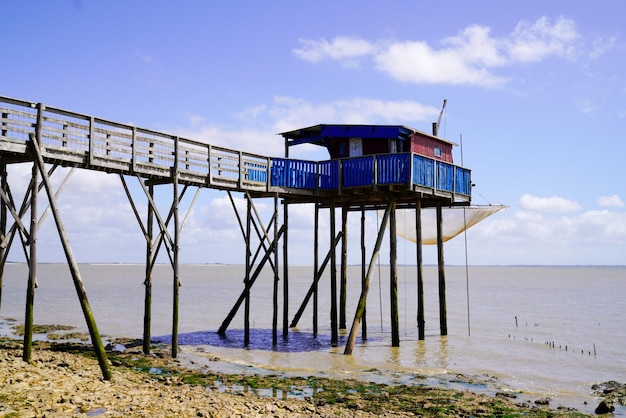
x=261, y=339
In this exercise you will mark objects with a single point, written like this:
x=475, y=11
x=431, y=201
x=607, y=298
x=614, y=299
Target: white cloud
x=610, y=201
x=470, y=57
x=592, y=237
x=536, y=41
x=417, y=62
x=554, y=204
x=342, y=48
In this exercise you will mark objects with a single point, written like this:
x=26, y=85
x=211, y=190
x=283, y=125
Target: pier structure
x=372, y=167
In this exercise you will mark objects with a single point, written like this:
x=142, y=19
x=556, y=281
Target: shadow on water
x=260, y=339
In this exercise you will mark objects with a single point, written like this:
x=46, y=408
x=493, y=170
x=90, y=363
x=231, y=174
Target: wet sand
x=64, y=380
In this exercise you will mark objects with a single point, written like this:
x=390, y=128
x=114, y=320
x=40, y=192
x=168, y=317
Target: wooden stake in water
x=361, y=305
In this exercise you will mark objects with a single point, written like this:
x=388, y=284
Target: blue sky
x=535, y=89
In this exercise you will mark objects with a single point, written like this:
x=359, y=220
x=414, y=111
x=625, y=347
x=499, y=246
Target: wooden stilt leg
x=420, y=270
x=176, y=281
x=147, y=312
x=334, y=332
x=3, y=225
x=246, y=333
x=370, y=270
x=393, y=290
x=32, y=270
x=443, y=319
x=285, y=271
x=274, y=248
x=363, y=273
x=316, y=268
x=344, y=268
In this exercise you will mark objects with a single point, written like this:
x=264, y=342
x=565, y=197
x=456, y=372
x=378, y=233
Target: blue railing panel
x=329, y=175
x=445, y=176
x=358, y=171
x=423, y=171
x=256, y=172
x=393, y=168
x=295, y=174
x=463, y=181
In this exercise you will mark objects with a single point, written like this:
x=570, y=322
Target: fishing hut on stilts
x=380, y=168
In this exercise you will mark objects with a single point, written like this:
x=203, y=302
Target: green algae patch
x=42, y=329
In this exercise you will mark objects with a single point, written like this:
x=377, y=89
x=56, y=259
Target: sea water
x=542, y=331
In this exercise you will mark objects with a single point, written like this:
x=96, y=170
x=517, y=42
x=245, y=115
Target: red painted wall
x=425, y=145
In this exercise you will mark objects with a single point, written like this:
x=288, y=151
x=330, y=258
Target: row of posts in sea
x=552, y=345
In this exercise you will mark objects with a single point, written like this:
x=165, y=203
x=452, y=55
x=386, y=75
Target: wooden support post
x=393, y=287
x=443, y=320
x=334, y=332
x=32, y=239
x=32, y=269
x=344, y=268
x=175, y=250
x=246, y=316
x=73, y=265
x=370, y=270
x=286, y=265
x=363, y=273
x=274, y=247
x=147, y=311
x=3, y=225
x=315, y=268
x=420, y=271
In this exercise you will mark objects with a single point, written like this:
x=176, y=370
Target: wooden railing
x=382, y=169
x=104, y=145
x=100, y=144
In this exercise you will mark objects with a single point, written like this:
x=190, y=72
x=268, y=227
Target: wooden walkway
x=87, y=142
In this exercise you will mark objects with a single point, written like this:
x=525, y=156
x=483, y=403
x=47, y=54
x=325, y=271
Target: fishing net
x=454, y=221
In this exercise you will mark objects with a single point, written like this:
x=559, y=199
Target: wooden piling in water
x=370, y=270
x=344, y=267
x=393, y=280
x=246, y=333
x=285, y=268
x=420, y=271
x=147, y=308
x=274, y=248
x=334, y=331
x=176, y=250
x=363, y=273
x=3, y=225
x=443, y=319
x=315, y=267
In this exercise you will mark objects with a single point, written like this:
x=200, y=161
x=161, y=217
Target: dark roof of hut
x=319, y=134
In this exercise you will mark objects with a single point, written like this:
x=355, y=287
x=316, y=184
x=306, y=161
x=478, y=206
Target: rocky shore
x=65, y=380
